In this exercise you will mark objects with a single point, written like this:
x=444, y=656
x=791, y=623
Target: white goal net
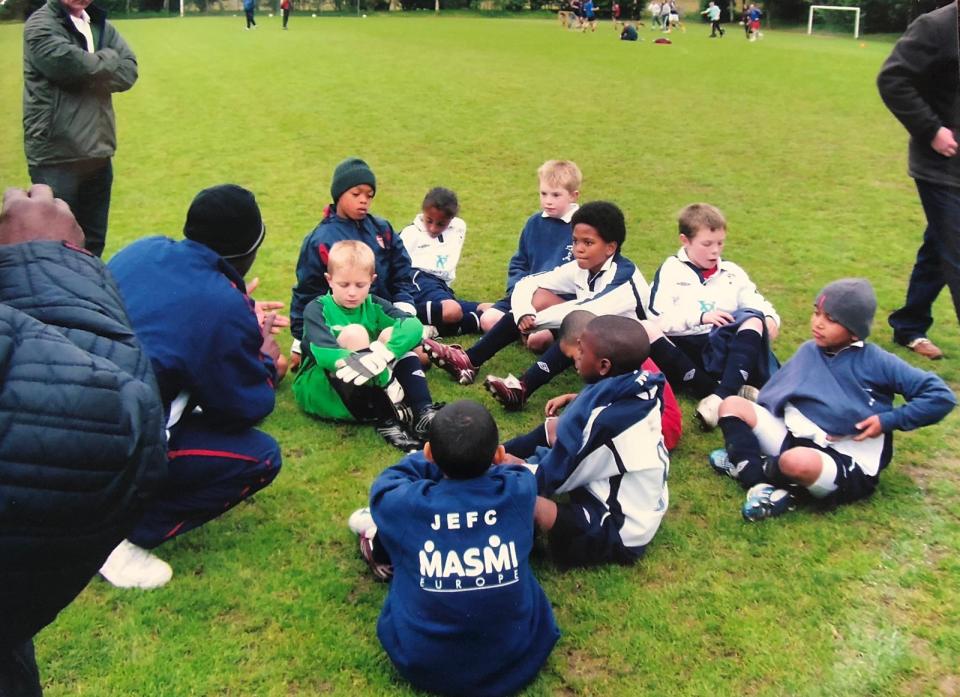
x=838, y=8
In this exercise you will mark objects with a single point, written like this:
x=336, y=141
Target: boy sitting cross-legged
x=711, y=310
x=357, y=351
x=608, y=454
x=824, y=422
x=600, y=280
x=464, y=614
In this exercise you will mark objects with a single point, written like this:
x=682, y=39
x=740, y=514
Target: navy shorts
x=587, y=533
x=692, y=346
x=852, y=482
x=429, y=288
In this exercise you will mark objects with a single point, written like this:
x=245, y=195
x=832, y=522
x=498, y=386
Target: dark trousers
x=250, y=20
x=715, y=27
x=937, y=263
x=85, y=186
x=286, y=16
x=210, y=472
x=19, y=676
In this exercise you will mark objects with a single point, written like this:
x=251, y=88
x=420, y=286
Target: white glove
x=358, y=368
x=295, y=346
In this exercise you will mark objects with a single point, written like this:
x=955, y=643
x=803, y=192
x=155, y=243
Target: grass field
x=787, y=136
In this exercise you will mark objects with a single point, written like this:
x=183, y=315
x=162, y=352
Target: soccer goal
x=856, y=17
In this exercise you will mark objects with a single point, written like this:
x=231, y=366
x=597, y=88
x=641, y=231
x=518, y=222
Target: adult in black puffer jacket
x=81, y=424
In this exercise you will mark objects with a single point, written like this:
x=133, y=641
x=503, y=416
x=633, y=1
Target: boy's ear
x=684, y=240
x=497, y=456
x=604, y=367
x=327, y=276
x=575, y=195
x=373, y=279
x=428, y=452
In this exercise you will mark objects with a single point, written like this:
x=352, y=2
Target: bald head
x=33, y=215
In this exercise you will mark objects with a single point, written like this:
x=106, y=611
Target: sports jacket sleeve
x=673, y=306
x=561, y=280
x=311, y=283
x=124, y=77
x=323, y=344
x=390, y=499
x=627, y=295
x=519, y=265
x=928, y=397
x=400, y=282
x=407, y=331
x=748, y=297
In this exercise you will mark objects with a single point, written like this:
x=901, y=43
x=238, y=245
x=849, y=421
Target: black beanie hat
x=226, y=218
x=851, y=303
x=350, y=173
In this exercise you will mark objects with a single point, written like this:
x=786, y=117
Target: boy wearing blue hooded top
x=607, y=453
x=353, y=188
x=464, y=614
x=824, y=422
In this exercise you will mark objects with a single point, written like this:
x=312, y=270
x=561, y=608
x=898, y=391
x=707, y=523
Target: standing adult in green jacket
x=73, y=61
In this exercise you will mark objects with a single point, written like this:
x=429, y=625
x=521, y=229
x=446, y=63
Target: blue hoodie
x=464, y=614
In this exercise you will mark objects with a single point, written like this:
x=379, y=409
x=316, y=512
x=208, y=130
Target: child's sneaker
x=360, y=521
x=766, y=501
x=509, y=391
x=130, y=566
x=749, y=392
x=708, y=411
x=393, y=432
x=422, y=425
x=720, y=462
x=382, y=572
x=453, y=359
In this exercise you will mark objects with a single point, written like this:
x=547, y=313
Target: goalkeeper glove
x=360, y=367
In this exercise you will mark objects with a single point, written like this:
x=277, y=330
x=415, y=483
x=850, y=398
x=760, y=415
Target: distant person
x=919, y=84
x=629, y=33
x=754, y=14
x=248, y=8
x=464, y=614
x=217, y=365
x=589, y=15
x=87, y=446
x=73, y=61
x=712, y=13
x=434, y=241
x=823, y=427
x=608, y=456
x=352, y=188
x=285, y=6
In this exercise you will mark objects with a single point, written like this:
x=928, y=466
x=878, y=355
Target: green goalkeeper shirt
x=323, y=320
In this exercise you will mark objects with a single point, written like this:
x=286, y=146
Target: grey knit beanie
x=350, y=173
x=850, y=302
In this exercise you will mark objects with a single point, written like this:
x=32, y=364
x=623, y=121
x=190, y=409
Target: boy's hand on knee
x=870, y=427
x=526, y=323
x=717, y=318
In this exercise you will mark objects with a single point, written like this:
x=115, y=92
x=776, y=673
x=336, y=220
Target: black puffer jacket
x=81, y=429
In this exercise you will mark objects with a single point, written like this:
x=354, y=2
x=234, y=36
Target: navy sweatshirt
x=545, y=243
x=464, y=614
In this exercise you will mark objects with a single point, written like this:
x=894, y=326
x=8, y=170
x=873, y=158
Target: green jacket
x=67, y=108
x=323, y=320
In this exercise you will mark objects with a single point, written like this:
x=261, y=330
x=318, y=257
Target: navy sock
x=743, y=449
x=501, y=335
x=430, y=312
x=409, y=373
x=526, y=445
x=470, y=324
x=551, y=364
x=741, y=360
x=681, y=372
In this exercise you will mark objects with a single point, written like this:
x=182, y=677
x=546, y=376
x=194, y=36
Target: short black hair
x=463, y=439
x=606, y=218
x=622, y=340
x=443, y=200
x=573, y=325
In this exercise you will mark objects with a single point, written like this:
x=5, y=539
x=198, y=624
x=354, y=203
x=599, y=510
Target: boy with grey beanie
x=352, y=189
x=823, y=425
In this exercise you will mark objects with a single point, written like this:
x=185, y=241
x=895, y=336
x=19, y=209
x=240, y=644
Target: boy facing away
x=464, y=614
x=434, y=241
x=608, y=455
x=358, y=350
x=599, y=280
x=711, y=310
x=824, y=422
x=353, y=188
x=545, y=239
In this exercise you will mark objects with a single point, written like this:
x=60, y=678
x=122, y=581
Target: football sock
x=430, y=312
x=551, y=363
x=743, y=449
x=681, y=372
x=741, y=358
x=526, y=445
x=501, y=335
x=409, y=373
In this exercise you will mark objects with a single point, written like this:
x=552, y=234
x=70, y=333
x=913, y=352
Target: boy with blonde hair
x=711, y=310
x=545, y=241
x=358, y=363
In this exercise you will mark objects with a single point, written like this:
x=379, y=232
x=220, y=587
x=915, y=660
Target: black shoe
x=422, y=424
x=392, y=432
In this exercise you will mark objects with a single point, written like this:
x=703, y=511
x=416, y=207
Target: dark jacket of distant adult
x=919, y=83
x=81, y=429
x=67, y=107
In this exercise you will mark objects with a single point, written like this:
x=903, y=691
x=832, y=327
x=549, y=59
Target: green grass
x=787, y=136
